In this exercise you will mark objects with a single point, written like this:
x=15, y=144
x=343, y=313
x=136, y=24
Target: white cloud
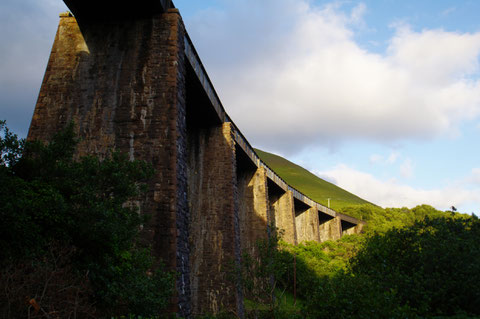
x=298, y=77
x=380, y=159
x=391, y=193
x=406, y=169
x=474, y=178
x=356, y=16
x=375, y=158
x=448, y=11
x=392, y=158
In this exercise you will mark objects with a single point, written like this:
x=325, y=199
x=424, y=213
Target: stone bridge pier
x=132, y=81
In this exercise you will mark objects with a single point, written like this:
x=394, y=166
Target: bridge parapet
x=149, y=99
x=201, y=73
x=90, y=9
x=87, y=10
x=350, y=219
x=240, y=139
x=249, y=151
x=326, y=210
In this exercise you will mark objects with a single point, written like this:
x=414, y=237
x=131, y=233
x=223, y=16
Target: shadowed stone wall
x=253, y=208
x=123, y=84
x=128, y=86
x=214, y=230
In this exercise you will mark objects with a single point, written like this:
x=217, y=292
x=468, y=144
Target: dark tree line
x=69, y=237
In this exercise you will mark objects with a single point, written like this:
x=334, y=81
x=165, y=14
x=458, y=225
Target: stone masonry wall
x=331, y=230
x=123, y=84
x=353, y=230
x=307, y=226
x=214, y=234
x=283, y=212
x=253, y=208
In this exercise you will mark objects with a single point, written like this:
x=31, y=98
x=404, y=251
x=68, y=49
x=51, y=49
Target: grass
x=309, y=184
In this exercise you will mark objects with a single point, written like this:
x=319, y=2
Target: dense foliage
x=69, y=246
x=428, y=269
x=262, y=278
x=432, y=266
x=382, y=219
x=411, y=263
x=51, y=202
x=408, y=263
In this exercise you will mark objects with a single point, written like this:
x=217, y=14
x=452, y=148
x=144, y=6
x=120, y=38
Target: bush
x=382, y=219
x=433, y=266
x=352, y=296
x=89, y=206
x=429, y=269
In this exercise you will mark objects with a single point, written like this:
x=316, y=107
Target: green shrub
x=87, y=204
x=347, y=296
x=433, y=266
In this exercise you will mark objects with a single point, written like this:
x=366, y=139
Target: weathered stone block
x=253, y=208
x=307, y=226
x=353, y=230
x=214, y=233
x=284, y=215
x=123, y=84
x=331, y=230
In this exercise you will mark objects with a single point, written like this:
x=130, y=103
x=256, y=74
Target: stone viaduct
x=128, y=74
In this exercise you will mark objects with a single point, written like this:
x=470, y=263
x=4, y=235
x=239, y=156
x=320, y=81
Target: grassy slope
x=309, y=184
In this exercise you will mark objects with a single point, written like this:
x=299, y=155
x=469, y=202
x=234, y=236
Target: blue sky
x=381, y=97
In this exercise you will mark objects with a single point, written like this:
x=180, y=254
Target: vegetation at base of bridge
x=422, y=273
x=428, y=268
x=309, y=184
x=67, y=234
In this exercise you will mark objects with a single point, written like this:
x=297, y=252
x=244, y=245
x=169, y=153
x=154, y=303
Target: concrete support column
x=283, y=211
x=331, y=230
x=214, y=237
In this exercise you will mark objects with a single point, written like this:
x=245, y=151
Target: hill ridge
x=310, y=184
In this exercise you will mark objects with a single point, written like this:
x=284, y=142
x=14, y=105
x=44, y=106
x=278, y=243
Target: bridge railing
x=202, y=75
x=240, y=139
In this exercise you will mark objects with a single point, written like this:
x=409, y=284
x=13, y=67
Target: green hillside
x=310, y=184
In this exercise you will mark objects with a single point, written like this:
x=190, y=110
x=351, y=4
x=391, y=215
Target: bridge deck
x=240, y=139
x=110, y=9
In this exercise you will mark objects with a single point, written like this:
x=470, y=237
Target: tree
x=432, y=266
x=48, y=199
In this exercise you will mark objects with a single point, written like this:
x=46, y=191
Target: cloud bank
x=463, y=193
x=291, y=75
